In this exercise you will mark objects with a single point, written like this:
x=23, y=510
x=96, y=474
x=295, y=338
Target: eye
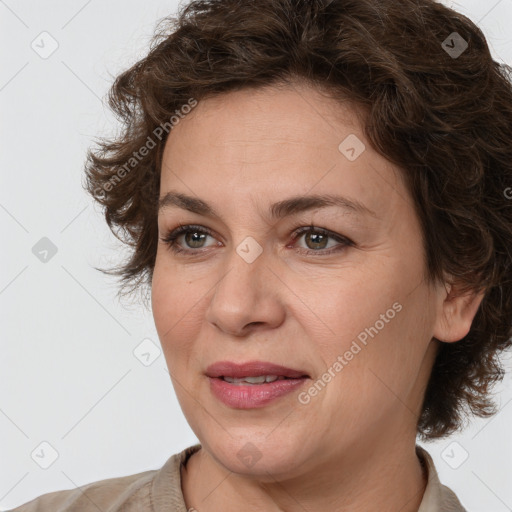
x=315, y=238
x=194, y=237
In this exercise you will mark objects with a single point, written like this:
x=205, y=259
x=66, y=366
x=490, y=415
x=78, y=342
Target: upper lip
x=251, y=369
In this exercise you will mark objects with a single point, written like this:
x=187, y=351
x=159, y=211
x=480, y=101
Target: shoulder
x=437, y=497
x=154, y=490
x=109, y=494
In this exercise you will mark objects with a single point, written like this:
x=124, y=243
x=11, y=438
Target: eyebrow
x=281, y=209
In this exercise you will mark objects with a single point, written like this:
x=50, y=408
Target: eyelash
x=171, y=236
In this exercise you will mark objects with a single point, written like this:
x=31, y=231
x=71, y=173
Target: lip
x=252, y=396
x=252, y=369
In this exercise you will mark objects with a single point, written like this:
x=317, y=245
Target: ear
x=456, y=313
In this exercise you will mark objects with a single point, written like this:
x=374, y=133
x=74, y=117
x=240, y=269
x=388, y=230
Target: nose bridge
x=243, y=295
x=243, y=282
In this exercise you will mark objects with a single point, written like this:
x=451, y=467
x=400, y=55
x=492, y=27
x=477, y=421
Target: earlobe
x=457, y=312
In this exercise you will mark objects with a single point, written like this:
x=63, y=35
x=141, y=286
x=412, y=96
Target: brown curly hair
x=444, y=119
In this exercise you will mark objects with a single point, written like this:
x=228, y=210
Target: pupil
x=189, y=235
x=316, y=241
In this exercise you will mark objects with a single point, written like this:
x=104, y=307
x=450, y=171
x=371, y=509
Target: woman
x=325, y=237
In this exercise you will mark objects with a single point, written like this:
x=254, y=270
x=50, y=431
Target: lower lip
x=250, y=396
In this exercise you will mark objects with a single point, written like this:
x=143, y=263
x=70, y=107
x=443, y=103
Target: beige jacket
x=160, y=491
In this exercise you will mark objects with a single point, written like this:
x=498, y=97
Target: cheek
x=175, y=302
x=342, y=310
x=381, y=358
x=179, y=303
x=371, y=328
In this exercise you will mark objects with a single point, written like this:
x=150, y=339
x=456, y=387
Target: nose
x=247, y=297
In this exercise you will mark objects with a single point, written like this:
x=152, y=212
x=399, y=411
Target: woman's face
x=345, y=304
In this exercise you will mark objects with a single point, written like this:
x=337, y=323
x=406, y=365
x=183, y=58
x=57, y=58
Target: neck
x=371, y=478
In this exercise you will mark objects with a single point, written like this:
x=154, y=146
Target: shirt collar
x=436, y=498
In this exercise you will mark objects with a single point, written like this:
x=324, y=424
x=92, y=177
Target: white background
x=69, y=376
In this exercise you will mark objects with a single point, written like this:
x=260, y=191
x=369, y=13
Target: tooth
x=233, y=380
x=255, y=380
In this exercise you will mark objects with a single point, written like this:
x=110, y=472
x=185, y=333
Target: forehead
x=297, y=113
x=275, y=143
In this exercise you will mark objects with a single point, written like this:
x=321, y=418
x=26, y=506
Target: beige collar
x=437, y=497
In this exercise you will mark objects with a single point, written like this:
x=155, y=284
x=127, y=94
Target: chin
x=257, y=455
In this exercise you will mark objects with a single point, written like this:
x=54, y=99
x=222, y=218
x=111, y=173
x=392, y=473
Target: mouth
x=252, y=372
x=254, y=384
x=260, y=379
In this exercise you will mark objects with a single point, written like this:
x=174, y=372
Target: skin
x=352, y=447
